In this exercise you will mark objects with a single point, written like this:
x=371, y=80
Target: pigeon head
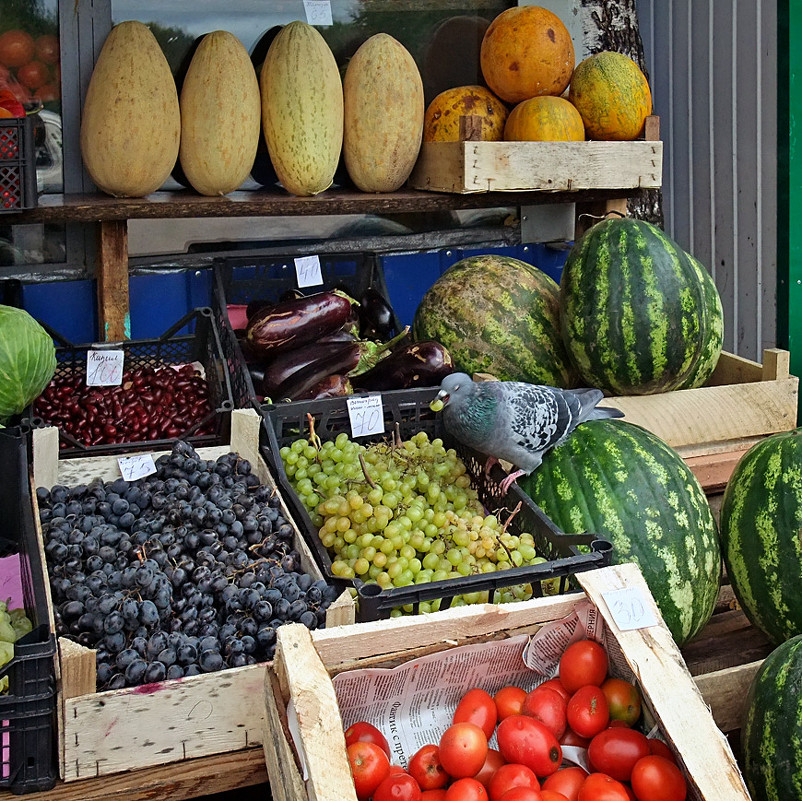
x=453, y=386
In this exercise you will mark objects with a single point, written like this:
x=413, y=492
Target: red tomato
x=369, y=767
x=465, y=789
x=567, y=781
x=16, y=48
x=426, y=769
x=493, y=761
x=508, y=701
x=617, y=724
x=600, y=787
x=659, y=748
x=528, y=742
x=509, y=776
x=47, y=49
x=522, y=794
x=572, y=738
x=623, y=699
x=398, y=787
x=554, y=684
x=550, y=795
x=433, y=795
x=48, y=93
x=587, y=711
x=583, y=662
x=477, y=706
x=33, y=74
x=615, y=752
x=363, y=732
x=396, y=769
x=463, y=750
x=547, y=706
x=657, y=779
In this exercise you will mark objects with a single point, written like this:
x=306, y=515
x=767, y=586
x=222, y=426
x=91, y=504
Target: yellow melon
x=441, y=122
x=544, y=119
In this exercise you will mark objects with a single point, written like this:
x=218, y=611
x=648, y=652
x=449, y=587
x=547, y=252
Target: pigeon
x=512, y=420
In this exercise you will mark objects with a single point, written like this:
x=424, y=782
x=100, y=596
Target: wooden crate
x=107, y=732
x=305, y=661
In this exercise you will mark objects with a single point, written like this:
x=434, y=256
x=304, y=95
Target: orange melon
x=441, y=122
x=544, y=119
x=526, y=52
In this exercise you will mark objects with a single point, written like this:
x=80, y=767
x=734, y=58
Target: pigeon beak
x=439, y=402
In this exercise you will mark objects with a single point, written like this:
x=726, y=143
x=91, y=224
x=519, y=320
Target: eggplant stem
x=313, y=437
x=365, y=471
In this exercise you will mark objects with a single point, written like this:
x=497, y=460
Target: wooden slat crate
x=101, y=733
x=304, y=663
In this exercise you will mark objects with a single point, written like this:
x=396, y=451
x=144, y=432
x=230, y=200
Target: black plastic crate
x=27, y=710
x=17, y=164
x=407, y=412
x=203, y=344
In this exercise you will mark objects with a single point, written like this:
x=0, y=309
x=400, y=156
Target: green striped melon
x=621, y=482
x=772, y=727
x=761, y=534
x=634, y=313
x=497, y=315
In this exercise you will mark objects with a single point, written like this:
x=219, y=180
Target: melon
x=544, y=119
x=442, y=120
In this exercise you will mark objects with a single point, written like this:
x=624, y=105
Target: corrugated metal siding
x=713, y=69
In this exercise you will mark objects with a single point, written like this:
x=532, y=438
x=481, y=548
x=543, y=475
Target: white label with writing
x=307, y=269
x=318, y=12
x=104, y=368
x=630, y=609
x=366, y=414
x=137, y=466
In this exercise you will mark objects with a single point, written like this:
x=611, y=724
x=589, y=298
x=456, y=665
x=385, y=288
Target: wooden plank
x=776, y=364
x=45, y=456
x=725, y=692
x=111, y=275
x=651, y=128
x=286, y=784
x=714, y=469
x=78, y=669
x=732, y=369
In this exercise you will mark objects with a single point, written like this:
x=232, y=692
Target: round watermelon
x=635, y=312
x=772, y=727
x=621, y=482
x=761, y=534
x=500, y=316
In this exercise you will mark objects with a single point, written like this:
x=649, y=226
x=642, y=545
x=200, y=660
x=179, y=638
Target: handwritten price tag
x=318, y=12
x=630, y=609
x=366, y=415
x=104, y=368
x=307, y=269
x=138, y=466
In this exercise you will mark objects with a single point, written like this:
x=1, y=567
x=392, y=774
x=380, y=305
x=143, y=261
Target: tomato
x=583, y=662
x=363, y=732
x=600, y=787
x=659, y=748
x=493, y=761
x=623, y=699
x=477, y=706
x=566, y=781
x=47, y=49
x=522, y=794
x=463, y=749
x=528, y=742
x=396, y=769
x=48, y=93
x=587, y=711
x=509, y=776
x=16, y=48
x=572, y=738
x=547, y=706
x=369, y=767
x=398, y=787
x=508, y=701
x=615, y=752
x=550, y=795
x=33, y=74
x=656, y=779
x=466, y=789
x=433, y=795
x=426, y=769
x=556, y=685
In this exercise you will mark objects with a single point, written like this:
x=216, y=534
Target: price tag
x=307, y=269
x=630, y=609
x=138, y=466
x=104, y=368
x=366, y=414
x=318, y=12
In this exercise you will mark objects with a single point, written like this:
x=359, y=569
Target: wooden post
x=470, y=128
x=114, y=318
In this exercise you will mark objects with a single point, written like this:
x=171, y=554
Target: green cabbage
x=27, y=360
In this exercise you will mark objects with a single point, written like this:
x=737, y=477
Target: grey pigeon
x=512, y=420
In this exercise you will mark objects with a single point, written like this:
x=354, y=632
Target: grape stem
x=365, y=471
x=313, y=437
x=509, y=520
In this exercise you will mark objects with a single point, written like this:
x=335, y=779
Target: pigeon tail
x=604, y=414
x=588, y=400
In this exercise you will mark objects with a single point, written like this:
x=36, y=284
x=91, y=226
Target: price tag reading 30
x=137, y=466
x=630, y=609
x=366, y=415
x=318, y=12
x=104, y=368
x=307, y=270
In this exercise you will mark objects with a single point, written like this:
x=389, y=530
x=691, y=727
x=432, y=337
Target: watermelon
x=621, y=482
x=634, y=313
x=761, y=534
x=497, y=315
x=772, y=727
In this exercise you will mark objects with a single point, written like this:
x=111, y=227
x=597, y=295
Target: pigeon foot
x=510, y=480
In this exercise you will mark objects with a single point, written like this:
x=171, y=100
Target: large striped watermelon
x=621, y=482
x=761, y=534
x=635, y=313
x=497, y=315
x=772, y=728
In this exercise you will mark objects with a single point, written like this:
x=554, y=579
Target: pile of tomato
x=29, y=66
x=582, y=707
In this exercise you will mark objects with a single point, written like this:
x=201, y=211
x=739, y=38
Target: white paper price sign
x=104, y=368
x=138, y=466
x=307, y=269
x=318, y=12
x=630, y=609
x=366, y=415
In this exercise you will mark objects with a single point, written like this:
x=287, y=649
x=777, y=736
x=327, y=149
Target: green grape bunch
x=14, y=624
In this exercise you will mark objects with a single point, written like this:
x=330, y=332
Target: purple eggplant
x=332, y=386
x=418, y=364
x=375, y=315
x=280, y=368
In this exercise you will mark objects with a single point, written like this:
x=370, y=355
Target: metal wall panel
x=713, y=70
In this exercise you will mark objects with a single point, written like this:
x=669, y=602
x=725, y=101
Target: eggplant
x=279, y=369
x=332, y=386
x=418, y=364
x=375, y=316
x=256, y=306
x=341, y=335
x=297, y=322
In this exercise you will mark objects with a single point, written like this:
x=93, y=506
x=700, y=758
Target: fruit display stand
x=301, y=674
